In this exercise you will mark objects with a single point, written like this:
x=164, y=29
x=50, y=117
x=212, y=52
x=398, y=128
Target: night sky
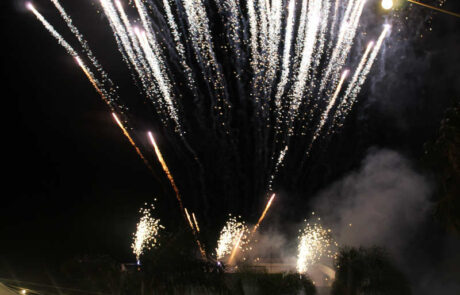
x=72, y=183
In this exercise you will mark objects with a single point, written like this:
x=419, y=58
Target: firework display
x=289, y=61
x=308, y=43
x=233, y=235
x=315, y=244
x=148, y=229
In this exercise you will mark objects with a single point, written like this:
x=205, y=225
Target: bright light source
x=29, y=6
x=23, y=291
x=387, y=4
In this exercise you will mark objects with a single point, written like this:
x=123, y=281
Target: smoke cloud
x=386, y=203
x=380, y=204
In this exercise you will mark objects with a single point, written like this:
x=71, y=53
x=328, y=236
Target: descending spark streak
x=106, y=85
x=140, y=64
x=80, y=38
x=176, y=190
x=130, y=31
x=300, y=33
x=361, y=74
x=263, y=21
x=277, y=165
x=263, y=213
x=189, y=219
x=195, y=222
x=231, y=8
x=146, y=23
x=92, y=79
x=162, y=80
x=270, y=39
x=96, y=84
x=331, y=103
x=253, y=28
x=435, y=8
x=353, y=85
x=130, y=56
x=128, y=136
x=286, y=53
x=119, y=31
x=358, y=73
x=179, y=46
x=195, y=231
x=313, y=19
x=202, y=42
x=134, y=56
x=334, y=22
x=346, y=36
x=235, y=248
x=275, y=18
x=319, y=48
x=52, y=30
x=166, y=170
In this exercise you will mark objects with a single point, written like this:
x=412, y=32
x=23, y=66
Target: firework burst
x=233, y=235
x=315, y=244
x=148, y=230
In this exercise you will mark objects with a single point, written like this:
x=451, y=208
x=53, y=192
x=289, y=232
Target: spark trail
x=177, y=193
x=267, y=207
x=92, y=79
x=360, y=76
x=287, y=69
x=131, y=141
x=435, y=8
x=189, y=219
x=106, y=82
x=236, y=248
x=52, y=31
x=229, y=236
x=167, y=172
x=331, y=103
x=195, y=222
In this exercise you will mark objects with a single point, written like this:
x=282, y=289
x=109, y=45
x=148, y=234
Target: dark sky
x=72, y=182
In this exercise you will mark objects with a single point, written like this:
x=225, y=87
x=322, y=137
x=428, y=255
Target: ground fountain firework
x=315, y=245
x=234, y=234
x=146, y=235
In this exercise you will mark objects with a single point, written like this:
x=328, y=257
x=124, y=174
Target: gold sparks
x=176, y=190
x=233, y=235
x=235, y=248
x=128, y=136
x=166, y=170
x=267, y=207
x=148, y=229
x=195, y=222
x=315, y=243
x=435, y=8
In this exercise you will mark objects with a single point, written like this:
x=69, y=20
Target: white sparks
x=315, y=244
x=146, y=236
x=234, y=232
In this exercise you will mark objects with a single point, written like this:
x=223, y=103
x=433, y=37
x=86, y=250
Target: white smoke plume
x=380, y=204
